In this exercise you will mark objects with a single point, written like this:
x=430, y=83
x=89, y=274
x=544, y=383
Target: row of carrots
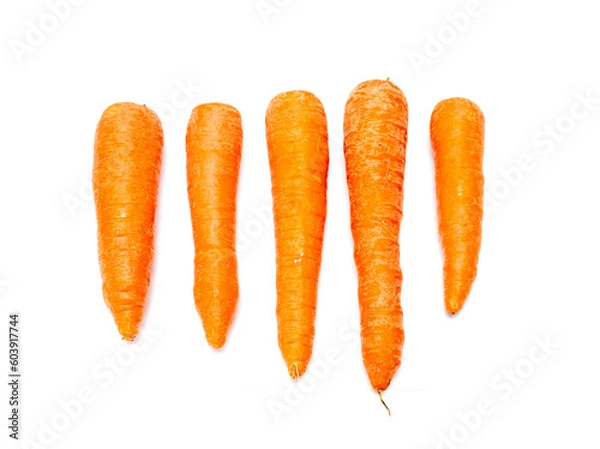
x=127, y=161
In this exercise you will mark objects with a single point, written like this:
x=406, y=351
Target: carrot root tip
x=383, y=402
x=453, y=307
x=215, y=342
x=294, y=371
x=128, y=323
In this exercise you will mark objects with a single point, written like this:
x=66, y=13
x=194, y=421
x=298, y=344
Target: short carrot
x=375, y=133
x=214, y=149
x=296, y=131
x=127, y=160
x=457, y=135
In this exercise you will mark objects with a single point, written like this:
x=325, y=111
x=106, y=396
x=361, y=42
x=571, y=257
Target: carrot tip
x=215, y=342
x=383, y=402
x=129, y=333
x=295, y=371
x=128, y=323
x=453, y=307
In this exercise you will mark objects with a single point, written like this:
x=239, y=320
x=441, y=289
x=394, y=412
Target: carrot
x=375, y=132
x=214, y=149
x=457, y=134
x=296, y=130
x=127, y=160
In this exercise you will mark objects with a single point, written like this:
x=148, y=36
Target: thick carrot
x=214, y=149
x=375, y=132
x=127, y=160
x=296, y=129
x=457, y=134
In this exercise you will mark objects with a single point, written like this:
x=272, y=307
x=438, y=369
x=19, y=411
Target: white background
x=524, y=63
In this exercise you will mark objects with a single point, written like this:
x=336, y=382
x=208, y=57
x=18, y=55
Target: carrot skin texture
x=375, y=133
x=127, y=160
x=297, y=140
x=214, y=149
x=457, y=137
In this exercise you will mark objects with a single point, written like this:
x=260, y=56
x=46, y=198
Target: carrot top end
x=215, y=105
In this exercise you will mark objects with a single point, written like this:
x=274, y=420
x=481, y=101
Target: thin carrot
x=127, y=160
x=375, y=132
x=296, y=129
x=457, y=135
x=214, y=149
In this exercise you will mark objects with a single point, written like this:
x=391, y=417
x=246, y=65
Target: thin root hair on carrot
x=383, y=402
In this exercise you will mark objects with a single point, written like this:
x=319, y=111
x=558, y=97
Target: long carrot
x=457, y=135
x=375, y=132
x=127, y=160
x=214, y=149
x=296, y=129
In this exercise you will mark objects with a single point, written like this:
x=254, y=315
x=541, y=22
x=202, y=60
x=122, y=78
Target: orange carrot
x=127, y=160
x=296, y=129
x=457, y=134
x=214, y=149
x=375, y=131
